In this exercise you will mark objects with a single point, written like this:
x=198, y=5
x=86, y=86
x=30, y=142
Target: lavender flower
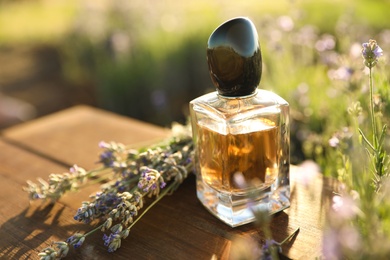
x=342, y=240
x=107, y=224
x=150, y=180
x=106, y=201
x=355, y=109
x=76, y=240
x=86, y=212
x=48, y=254
x=309, y=171
x=107, y=158
x=113, y=241
x=57, y=184
x=342, y=139
x=346, y=206
x=111, y=153
x=269, y=249
x=371, y=52
x=334, y=141
x=63, y=249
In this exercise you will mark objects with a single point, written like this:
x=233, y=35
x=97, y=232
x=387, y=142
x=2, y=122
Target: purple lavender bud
x=371, y=52
x=79, y=243
x=107, y=239
x=103, y=144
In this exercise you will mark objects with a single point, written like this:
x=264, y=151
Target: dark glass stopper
x=234, y=58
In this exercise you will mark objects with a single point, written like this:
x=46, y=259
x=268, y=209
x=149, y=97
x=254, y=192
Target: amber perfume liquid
x=253, y=154
x=247, y=135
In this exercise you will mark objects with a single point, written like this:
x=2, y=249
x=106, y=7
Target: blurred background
x=147, y=59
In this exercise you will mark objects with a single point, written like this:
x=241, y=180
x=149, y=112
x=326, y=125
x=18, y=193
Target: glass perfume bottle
x=240, y=131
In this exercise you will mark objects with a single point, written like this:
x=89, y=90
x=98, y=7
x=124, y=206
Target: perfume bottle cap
x=234, y=58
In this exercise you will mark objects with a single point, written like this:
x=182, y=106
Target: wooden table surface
x=178, y=227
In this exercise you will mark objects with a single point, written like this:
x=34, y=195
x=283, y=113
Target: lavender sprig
x=135, y=175
x=358, y=217
x=371, y=53
x=58, y=184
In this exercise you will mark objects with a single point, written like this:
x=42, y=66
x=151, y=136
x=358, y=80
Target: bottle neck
x=239, y=97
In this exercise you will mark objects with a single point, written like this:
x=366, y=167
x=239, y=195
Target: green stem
x=366, y=140
x=290, y=236
x=373, y=121
x=93, y=230
x=162, y=194
x=89, y=173
x=93, y=179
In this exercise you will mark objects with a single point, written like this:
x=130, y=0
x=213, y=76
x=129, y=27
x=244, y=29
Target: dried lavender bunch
x=129, y=177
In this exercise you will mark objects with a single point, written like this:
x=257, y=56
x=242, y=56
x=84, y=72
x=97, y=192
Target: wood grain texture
x=178, y=227
x=72, y=136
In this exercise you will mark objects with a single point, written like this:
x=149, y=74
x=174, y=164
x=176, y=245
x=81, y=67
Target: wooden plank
x=176, y=228
x=22, y=228
x=72, y=136
x=26, y=228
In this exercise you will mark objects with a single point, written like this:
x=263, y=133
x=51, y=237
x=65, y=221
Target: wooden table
x=178, y=227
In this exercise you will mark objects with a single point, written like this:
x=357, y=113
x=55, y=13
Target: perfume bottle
x=241, y=133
